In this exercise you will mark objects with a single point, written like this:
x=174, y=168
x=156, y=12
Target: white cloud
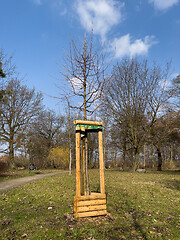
x=100, y=15
x=163, y=4
x=76, y=83
x=124, y=46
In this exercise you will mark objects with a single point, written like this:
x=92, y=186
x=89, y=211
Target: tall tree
x=134, y=97
x=19, y=109
x=84, y=71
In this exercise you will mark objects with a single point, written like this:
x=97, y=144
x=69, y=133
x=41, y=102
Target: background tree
x=7, y=71
x=134, y=97
x=19, y=109
x=2, y=75
x=44, y=134
x=176, y=90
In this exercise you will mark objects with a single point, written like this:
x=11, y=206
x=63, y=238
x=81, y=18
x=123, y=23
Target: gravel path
x=10, y=184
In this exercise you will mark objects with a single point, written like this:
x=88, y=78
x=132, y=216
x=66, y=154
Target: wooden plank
x=93, y=196
x=101, y=163
x=91, y=214
x=78, y=169
x=91, y=208
x=90, y=203
x=83, y=168
x=88, y=123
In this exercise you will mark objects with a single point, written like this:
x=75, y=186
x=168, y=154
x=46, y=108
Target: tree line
x=139, y=109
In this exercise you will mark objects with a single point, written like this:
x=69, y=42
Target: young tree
x=84, y=71
x=19, y=109
x=134, y=97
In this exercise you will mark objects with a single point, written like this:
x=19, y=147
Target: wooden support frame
x=95, y=203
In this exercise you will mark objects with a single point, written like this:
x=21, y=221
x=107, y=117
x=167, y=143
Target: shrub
x=59, y=157
x=3, y=164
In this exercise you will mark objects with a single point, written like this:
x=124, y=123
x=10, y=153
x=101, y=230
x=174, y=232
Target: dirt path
x=10, y=184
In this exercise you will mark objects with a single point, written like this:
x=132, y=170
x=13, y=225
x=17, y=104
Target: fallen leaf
x=24, y=235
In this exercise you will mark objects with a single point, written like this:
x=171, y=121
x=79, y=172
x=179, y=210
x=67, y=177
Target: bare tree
x=84, y=70
x=134, y=97
x=44, y=134
x=2, y=75
x=176, y=89
x=7, y=70
x=8, y=66
x=20, y=107
x=165, y=135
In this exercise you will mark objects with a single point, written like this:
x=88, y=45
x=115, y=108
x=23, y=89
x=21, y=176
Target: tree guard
x=95, y=203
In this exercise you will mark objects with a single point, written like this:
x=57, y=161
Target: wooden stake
x=83, y=168
x=78, y=169
x=101, y=162
x=88, y=123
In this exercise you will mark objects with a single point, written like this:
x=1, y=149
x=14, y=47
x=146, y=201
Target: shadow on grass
x=172, y=184
x=135, y=216
x=165, y=172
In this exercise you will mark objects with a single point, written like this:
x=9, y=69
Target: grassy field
x=140, y=206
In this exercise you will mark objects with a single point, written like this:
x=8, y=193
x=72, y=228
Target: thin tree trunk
x=70, y=147
x=144, y=156
x=136, y=161
x=70, y=156
x=124, y=154
x=86, y=168
x=11, y=152
x=171, y=157
x=159, y=166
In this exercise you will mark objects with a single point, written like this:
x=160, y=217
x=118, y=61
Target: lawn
x=140, y=206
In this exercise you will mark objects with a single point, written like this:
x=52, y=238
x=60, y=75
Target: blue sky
x=37, y=32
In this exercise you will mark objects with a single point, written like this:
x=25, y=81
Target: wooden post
x=78, y=169
x=101, y=162
x=83, y=168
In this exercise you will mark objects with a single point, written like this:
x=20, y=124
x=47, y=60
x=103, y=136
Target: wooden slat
x=83, y=168
x=93, y=196
x=90, y=203
x=78, y=169
x=101, y=163
x=91, y=214
x=90, y=208
x=88, y=123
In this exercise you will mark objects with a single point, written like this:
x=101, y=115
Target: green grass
x=140, y=206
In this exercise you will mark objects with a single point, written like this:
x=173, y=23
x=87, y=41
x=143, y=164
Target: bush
x=3, y=164
x=59, y=157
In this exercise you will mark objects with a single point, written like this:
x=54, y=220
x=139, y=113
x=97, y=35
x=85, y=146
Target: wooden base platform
x=89, y=206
